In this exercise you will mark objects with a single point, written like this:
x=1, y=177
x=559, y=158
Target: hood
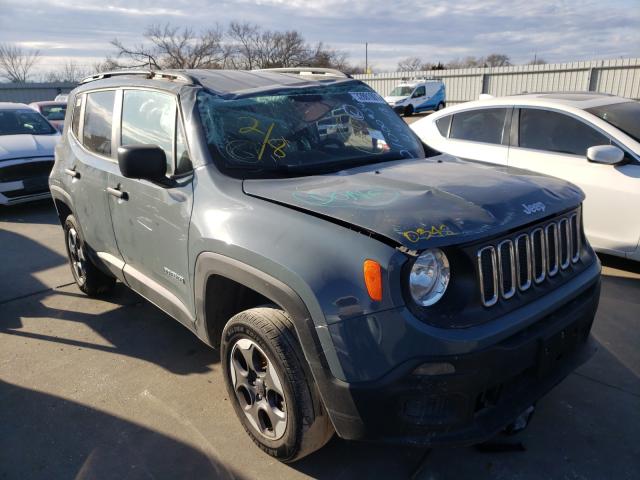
x=395, y=99
x=20, y=146
x=425, y=203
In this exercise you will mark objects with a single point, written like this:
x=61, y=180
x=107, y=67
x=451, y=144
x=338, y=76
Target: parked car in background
x=27, y=142
x=417, y=96
x=61, y=97
x=53, y=111
x=354, y=280
x=592, y=140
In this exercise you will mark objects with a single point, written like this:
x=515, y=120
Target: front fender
x=315, y=342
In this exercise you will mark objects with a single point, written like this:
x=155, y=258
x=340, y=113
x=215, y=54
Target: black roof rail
x=149, y=74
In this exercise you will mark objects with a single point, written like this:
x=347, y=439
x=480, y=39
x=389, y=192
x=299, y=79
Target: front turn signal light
x=373, y=279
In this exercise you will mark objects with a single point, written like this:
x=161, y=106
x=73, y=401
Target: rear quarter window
x=483, y=125
x=443, y=125
x=75, y=116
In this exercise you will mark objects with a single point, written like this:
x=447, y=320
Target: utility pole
x=366, y=57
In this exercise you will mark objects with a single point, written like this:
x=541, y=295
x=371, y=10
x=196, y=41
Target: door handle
x=72, y=172
x=116, y=192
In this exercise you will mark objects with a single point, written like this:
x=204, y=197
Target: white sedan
x=27, y=142
x=592, y=140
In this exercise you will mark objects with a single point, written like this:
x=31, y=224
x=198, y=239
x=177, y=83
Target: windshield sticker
x=363, y=198
x=367, y=97
x=426, y=233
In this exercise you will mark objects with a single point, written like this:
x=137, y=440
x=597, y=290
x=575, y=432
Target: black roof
x=222, y=82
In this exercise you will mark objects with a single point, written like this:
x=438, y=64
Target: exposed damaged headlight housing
x=429, y=277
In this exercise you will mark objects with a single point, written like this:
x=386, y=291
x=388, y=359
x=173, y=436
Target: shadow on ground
x=44, y=436
x=133, y=326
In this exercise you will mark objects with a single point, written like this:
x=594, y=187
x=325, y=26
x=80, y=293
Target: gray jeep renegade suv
x=356, y=281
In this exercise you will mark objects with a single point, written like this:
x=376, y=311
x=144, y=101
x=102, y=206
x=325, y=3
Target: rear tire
x=408, y=110
x=88, y=277
x=270, y=386
x=440, y=106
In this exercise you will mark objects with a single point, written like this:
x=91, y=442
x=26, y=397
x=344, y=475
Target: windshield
x=54, y=112
x=312, y=129
x=20, y=122
x=401, y=92
x=624, y=116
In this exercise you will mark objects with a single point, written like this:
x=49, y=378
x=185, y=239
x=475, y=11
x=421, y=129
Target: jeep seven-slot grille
x=528, y=258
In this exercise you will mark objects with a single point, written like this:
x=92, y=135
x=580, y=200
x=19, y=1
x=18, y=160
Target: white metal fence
x=618, y=77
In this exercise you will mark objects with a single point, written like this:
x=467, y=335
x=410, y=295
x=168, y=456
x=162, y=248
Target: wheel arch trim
x=321, y=361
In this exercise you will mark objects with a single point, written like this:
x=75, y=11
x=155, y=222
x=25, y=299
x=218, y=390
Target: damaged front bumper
x=467, y=398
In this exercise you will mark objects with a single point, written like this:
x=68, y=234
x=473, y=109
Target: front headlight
x=429, y=277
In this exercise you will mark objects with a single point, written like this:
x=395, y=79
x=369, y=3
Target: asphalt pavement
x=115, y=389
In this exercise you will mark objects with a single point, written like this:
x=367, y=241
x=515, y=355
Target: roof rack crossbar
x=150, y=74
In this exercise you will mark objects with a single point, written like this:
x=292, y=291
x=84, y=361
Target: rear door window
x=483, y=125
x=556, y=132
x=98, y=120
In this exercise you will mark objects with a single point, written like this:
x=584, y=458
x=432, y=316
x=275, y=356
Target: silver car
x=27, y=141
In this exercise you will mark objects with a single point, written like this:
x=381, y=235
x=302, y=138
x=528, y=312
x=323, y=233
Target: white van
x=417, y=96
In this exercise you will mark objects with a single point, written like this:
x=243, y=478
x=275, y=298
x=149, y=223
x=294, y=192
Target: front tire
x=408, y=110
x=270, y=386
x=88, y=277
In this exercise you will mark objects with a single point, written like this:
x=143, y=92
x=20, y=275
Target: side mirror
x=605, y=154
x=142, y=161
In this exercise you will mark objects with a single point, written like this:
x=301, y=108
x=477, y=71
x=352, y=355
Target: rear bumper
x=489, y=389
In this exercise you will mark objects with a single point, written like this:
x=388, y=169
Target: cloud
x=435, y=30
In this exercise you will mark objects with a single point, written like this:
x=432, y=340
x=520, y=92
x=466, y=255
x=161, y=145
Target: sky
x=437, y=30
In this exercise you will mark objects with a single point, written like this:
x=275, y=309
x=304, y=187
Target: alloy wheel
x=76, y=256
x=258, y=388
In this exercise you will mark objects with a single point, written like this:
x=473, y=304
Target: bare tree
x=322, y=56
x=413, y=64
x=497, y=60
x=280, y=49
x=251, y=47
x=172, y=47
x=468, y=62
x=69, y=72
x=492, y=60
x=241, y=46
x=16, y=64
x=107, y=64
